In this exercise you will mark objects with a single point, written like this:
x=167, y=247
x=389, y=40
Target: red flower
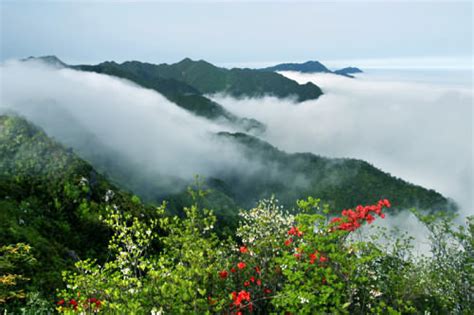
x=241, y=296
x=241, y=265
x=257, y=269
x=323, y=259
x=252, y=279
x=246, y=284
x=294, y=231
x=232, y=269
x=312, y=258
x=267, y=291
x=259, y=282
x=73, y=303
x=243, y=249
x=288, y=242
x=223, y=274
x=61, y=302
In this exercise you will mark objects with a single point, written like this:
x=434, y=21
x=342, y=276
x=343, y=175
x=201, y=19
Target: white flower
x=303, y=300
x=375, y=293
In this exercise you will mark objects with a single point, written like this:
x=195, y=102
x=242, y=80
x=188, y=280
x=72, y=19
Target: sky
x=241, y=33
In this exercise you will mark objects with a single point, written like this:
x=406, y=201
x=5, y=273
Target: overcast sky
x=238, y=33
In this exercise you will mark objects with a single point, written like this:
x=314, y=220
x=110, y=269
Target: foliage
x=15, y=261
x=284, y=263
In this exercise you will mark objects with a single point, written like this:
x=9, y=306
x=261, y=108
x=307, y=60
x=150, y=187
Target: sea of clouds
x=413, y=127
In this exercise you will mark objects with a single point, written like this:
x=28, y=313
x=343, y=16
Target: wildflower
x=241, y=265
x=267, y=291
x=61, y=302
x=259, y=282
x=288, y=242
x=312, y=258
x=246, y=284
x=257, y=269
x=243, y=249
x=232, y=270
x=241, y=296
x=223, y=274
x=73, y=303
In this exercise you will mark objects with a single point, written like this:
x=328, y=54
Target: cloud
x=421, y=132
x=95, y=113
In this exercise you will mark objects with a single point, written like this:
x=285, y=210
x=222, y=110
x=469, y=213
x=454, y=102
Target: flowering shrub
x=284, y=263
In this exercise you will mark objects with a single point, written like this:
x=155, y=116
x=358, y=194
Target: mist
x=418, y=131
x=136, y=128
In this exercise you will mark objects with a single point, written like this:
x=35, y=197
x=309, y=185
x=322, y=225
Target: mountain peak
x=49, y=59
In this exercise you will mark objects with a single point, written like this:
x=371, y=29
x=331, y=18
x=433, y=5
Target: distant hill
x=185, y=83
x=176, y=91
x=208, y=79
x=307, y=67
x=348, y=70
x=311, y=67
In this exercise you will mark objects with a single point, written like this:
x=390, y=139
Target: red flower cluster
x=238, y=298
x=95, y=301
x=353, y=219
x=241, y=265
x=314, y=256
x=243, y=249
x=74, y=304
x=294, y=231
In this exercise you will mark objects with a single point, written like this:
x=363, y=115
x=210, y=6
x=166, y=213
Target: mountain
x=342, y=183
x=209, y=79
x=186, y=83
x=307, y=67
x=175, y=91
x=50, y=60
x=51, y=199
x=348, y=70
x=311, y=67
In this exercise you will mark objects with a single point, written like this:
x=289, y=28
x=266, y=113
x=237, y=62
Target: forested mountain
x=340, y=182
x=51, y=199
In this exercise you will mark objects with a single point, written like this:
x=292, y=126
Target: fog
x=416, y=129
x=98, y=114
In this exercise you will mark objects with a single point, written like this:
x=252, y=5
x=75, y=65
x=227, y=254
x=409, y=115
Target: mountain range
x=312, y=67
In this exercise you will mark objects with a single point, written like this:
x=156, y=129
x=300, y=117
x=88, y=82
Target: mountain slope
x=341, y=182
x=51, y=199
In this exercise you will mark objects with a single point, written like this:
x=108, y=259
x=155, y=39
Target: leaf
x=202, y=291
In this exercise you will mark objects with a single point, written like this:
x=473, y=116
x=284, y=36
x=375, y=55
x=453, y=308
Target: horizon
x=242, y=33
